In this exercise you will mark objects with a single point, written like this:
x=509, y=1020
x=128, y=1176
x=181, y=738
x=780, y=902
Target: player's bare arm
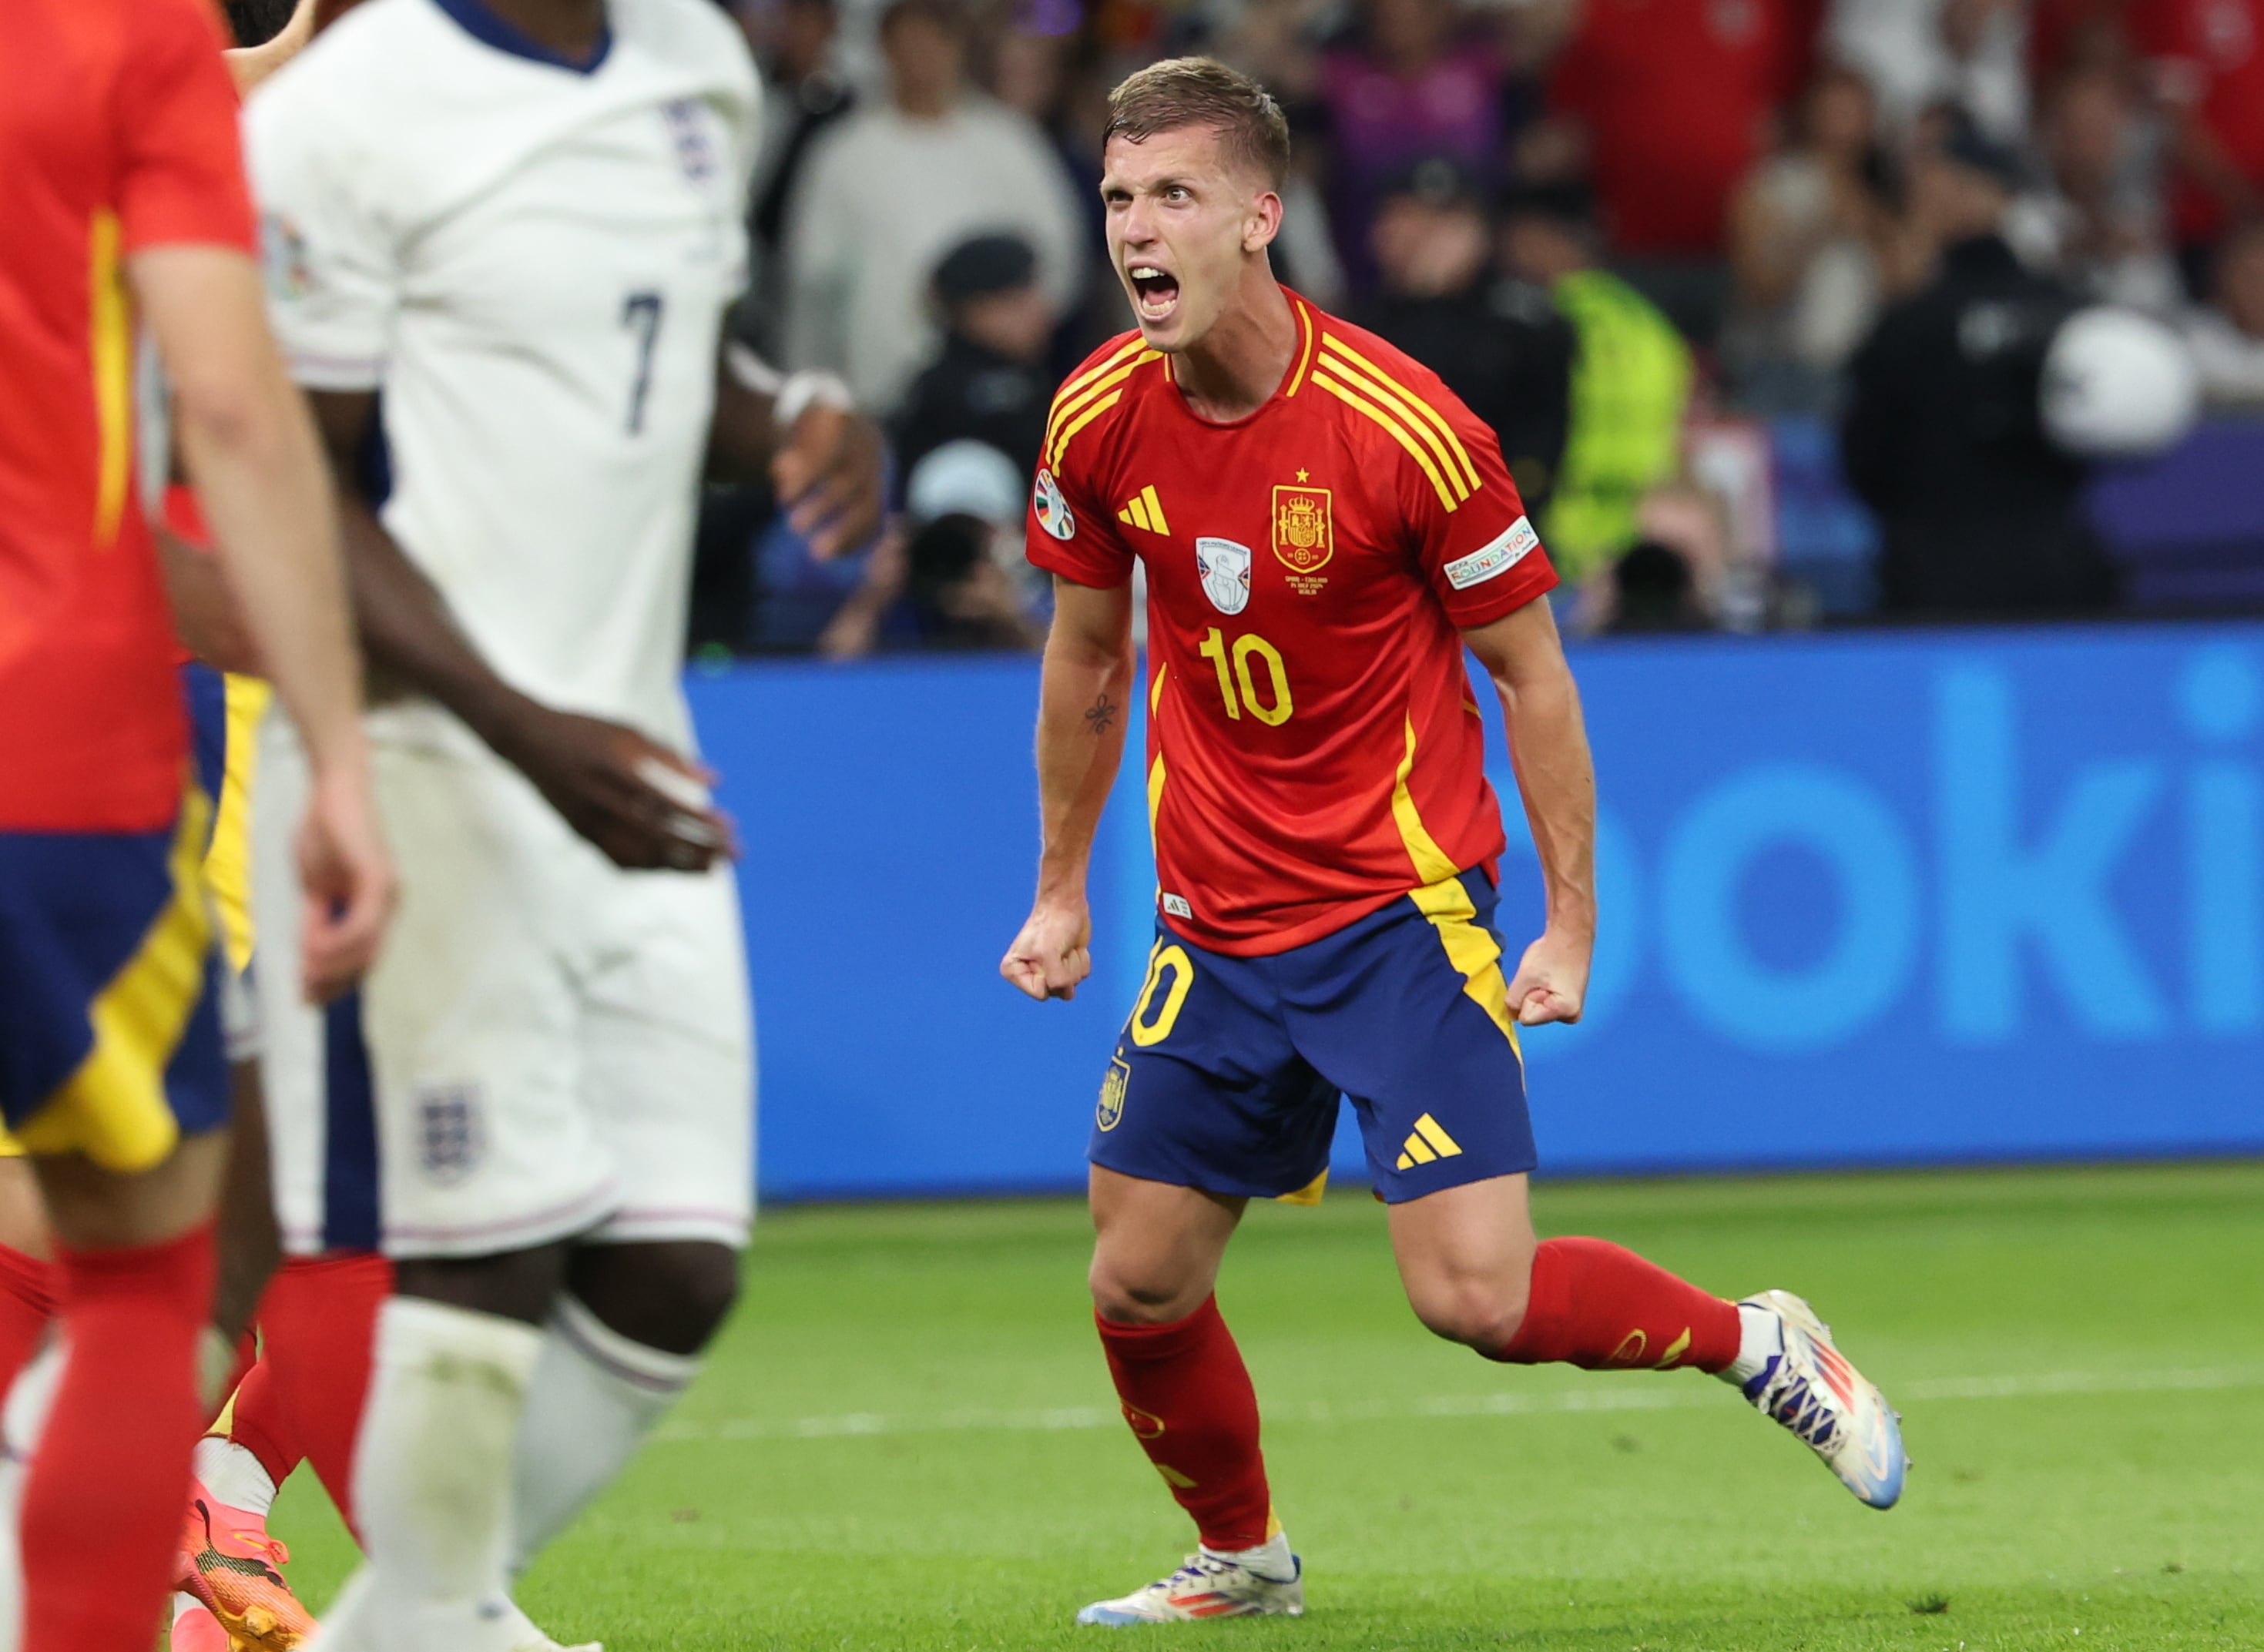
x=249, y=448
x=1557, y=776
x=1083, y=695
x=643, y=805
x=824, y=458
x=248, y=65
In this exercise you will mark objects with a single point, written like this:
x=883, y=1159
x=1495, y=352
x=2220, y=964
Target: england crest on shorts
x=452, y=1138
x=1224, y=567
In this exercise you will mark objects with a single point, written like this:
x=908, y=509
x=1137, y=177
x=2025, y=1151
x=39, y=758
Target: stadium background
x=1884, y=887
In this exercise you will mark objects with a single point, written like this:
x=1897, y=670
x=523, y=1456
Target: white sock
x=1270, y=1559
x=233, y=1474
x=1760, y=1339
x=594, y=1397
x=432, y=1473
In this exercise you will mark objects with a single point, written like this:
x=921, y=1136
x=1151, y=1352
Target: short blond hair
x=1201, y=92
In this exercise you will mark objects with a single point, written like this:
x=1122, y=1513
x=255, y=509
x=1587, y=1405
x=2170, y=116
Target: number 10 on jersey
x=1271, y=707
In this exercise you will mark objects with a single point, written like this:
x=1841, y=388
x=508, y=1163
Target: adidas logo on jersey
x=1145, y=510
x=1427, y=1144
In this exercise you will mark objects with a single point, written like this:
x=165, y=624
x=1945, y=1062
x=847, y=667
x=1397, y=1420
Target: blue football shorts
x=1227, y=1073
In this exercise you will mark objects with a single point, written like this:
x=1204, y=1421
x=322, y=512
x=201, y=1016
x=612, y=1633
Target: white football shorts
x=549, y=1047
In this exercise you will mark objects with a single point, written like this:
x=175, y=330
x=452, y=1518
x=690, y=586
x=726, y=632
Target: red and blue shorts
x=1227, y=1075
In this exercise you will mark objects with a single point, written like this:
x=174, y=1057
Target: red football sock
x=27, y=1303
x=317, y=1328
x=110, y=1474
x=258, y=1422
x=1595, y=1305
x=1187, y=1396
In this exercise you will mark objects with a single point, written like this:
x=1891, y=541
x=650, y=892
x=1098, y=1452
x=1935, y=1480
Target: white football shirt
x=531, y=261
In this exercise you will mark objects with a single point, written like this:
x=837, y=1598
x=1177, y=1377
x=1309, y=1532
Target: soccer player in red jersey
x=1324, y=529
x=123, y=191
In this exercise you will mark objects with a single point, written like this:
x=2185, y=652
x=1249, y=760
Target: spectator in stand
x=1630, y=378
x=1806, y=231
x=1672, y=101
x=2099, y=224
x=991, y=380
x=804, y=96
x=1497, y=342
x=2228, y=336
x=1672, y=577
x=891, y=189
x=946, y=579
x=1921, y=55
x=1944, y=438
x=1414, y=81
x=2208, y=58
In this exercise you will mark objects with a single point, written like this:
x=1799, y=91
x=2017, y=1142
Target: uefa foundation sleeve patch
x=1517, y=541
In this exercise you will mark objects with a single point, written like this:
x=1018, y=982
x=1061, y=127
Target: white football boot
x=1814, y=1392
x=1207, y=1586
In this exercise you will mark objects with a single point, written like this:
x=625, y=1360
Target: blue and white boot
x=1806, y=1383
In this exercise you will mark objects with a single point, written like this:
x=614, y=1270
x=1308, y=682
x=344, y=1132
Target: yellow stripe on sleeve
x=1398, y=431
x=1423, y=409
x=1083, y=419
x=1378, y=393
x=1067, y=405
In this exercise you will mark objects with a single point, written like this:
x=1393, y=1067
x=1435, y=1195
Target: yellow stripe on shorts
x=113, y=1107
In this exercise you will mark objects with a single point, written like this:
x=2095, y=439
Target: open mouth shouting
x=1155, y=291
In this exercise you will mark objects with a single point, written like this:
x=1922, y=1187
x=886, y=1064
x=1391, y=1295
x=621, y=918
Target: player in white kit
x=520, y=222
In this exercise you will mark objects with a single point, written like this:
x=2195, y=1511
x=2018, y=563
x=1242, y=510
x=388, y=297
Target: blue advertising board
x=1867, y=899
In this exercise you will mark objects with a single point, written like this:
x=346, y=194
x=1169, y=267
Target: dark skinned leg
x=520, y=1285
x=250, y=1248
x=668, y=1295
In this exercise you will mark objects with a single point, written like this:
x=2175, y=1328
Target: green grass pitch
x=907, y=1439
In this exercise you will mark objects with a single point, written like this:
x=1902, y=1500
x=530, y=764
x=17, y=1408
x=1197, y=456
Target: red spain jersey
x=118, y=133
x=1313, y=749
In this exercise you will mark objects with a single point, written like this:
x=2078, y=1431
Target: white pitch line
x=1635, y=1397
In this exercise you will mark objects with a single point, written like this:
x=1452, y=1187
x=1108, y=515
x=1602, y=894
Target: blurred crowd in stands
x=1637, y=236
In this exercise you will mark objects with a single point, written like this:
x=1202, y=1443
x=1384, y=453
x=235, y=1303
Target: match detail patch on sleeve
x=1517, y=541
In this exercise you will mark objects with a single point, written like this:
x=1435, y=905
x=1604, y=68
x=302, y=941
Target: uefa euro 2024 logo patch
x=1052, y=510
x=1224, y=568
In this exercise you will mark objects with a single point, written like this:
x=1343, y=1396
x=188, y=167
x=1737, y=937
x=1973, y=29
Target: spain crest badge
x=1305, y=538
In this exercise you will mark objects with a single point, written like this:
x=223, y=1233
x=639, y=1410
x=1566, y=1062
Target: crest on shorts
x=452, y=1135
x=1119, y=1079
x=1304, y=535
x=1224, y=568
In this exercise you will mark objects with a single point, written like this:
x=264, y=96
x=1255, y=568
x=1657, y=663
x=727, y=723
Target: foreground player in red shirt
x=123, y=192
x=1324, y=527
